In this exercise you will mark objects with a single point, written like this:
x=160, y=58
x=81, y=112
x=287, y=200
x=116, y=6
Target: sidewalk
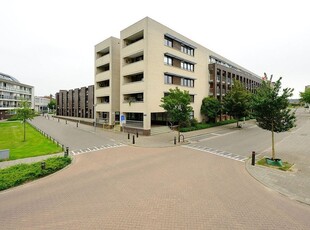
x=29, y=160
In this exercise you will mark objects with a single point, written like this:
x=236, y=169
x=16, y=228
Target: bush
x=207, y=125
x=13, y=118
x=22, y=173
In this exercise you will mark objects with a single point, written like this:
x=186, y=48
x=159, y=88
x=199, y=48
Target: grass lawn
x=12, y=136
x=286, y=166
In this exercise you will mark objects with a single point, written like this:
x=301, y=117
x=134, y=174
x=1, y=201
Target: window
x=187, y=82
x=168, y=79
x=187, y=50
x=187, y=66
x=168, y=60
x=168, y=42
x=191, y=115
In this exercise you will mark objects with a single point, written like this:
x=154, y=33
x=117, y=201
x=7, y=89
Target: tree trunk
x=272, y=142
x=24, y=130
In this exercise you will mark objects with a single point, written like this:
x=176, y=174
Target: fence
x=47, y=136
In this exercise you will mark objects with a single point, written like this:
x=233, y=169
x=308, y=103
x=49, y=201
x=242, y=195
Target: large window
x=168, y=79
x=187, y=50
x=187, y=82
x=187, y=66
x=168, y=60
x=168, y=41
x=178, y=80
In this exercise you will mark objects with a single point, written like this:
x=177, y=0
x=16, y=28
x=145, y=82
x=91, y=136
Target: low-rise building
x=41, y=104
x=76, y=102
x=11, y=93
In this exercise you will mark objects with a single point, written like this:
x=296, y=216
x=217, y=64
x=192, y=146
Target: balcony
x=102, y=60
x=134, y=38
x=133, y=98
x=11, y=89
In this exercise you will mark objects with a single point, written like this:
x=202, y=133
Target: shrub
x=22, y=173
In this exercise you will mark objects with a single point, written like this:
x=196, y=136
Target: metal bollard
x=137, y=134
x=66, y=152
x=253, y=157
x=179, y=138
x=77, y=124
x=43, y=165
x=128, y=136
x=133, y=139
x=175, y=140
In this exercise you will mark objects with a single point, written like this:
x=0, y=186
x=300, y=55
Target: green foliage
x=177, y=105
x=237, y=102
x=22, y=173
x=206, y=126
x=52, y=104
x=286, y=166
x=305, y=96
x=36, y=144
x=271, y=109
x=211, y=108
x=23, y=113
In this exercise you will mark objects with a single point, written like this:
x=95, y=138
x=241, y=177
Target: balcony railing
x=10, y=89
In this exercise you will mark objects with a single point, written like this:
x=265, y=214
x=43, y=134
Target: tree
x=52, y=104
x=211, y=108
x=271, y=109
x=23, y=113
x=237, y=102
x=305, y=96
x=177, y=105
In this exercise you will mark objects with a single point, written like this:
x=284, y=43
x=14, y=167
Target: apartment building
x=152, y=59
x=11, y=93
x=77, y=102
x=107, y=81
x=41, y=104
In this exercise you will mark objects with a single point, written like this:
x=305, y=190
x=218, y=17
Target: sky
x=50, y=43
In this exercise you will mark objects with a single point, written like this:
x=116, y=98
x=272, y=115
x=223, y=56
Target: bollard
x=128, y=136
x=137, y=134
x=179, y=138
x=133, y=139
x=253, y=157
x=77, y=124
x=67, y=152
x=175, y=140
x=42, y=165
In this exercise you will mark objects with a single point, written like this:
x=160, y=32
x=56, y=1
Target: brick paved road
x=144, y=188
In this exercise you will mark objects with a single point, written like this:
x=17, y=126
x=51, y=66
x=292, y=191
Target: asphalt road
x=150, y=188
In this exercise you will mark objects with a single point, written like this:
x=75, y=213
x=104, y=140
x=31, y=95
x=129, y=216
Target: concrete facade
x=154, y=59
x=107, y=81
x=11, y=93
x=76, y=103
x=41, y=103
